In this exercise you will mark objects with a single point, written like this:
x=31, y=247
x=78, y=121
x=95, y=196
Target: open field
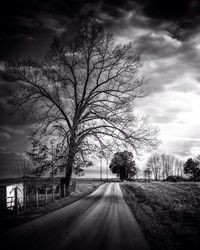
x=83, y=188
x=168, y=213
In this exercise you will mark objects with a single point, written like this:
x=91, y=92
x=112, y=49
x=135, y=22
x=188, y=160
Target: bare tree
x=147, y=173
x=178, y=167
x=168, y=165
x=165, y=165
x=138, y=171
x=154, y=165
x=83, y=94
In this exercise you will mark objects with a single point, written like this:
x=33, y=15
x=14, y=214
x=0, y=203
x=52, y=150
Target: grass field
x=168, y=213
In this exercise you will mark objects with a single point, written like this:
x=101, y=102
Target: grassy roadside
x=168, y=213
x=8, y=221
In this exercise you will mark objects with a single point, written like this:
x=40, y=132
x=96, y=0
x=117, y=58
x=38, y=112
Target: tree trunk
x=156, y=176
x=70, y=162
x=68, y=173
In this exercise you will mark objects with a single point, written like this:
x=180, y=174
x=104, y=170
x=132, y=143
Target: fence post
x=75, y=185
x=36, y=196
x=63, y=187
x=46, y=195
x=64, y=190
x=16, y=200
x=59, y=186
x=52, y=193
x=24, y=193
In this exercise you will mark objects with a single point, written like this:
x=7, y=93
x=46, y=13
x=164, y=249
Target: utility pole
x=52, y=169
x=101, y=170
x=24, y=172
x=107, y=169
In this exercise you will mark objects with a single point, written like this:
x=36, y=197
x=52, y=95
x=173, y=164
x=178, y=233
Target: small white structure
x=11, y=195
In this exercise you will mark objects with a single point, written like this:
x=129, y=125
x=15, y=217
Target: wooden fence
x=41, y=195
x=35, y=193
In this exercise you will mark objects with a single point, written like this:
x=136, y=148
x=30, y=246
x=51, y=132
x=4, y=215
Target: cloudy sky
x=166, y=33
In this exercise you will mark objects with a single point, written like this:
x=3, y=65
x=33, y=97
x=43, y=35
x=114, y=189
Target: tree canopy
x=123, y=165
x=192, y=168
x=82, y=95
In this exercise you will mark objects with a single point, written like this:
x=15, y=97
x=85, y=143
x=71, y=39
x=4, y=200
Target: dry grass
x=168, y=213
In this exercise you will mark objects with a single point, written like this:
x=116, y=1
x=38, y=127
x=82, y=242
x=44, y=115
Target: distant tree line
x=160, y=166
x=163, y=166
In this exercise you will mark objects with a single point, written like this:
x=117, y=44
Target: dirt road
x=101, y=220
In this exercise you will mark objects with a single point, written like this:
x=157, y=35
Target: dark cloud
x=7, y=114
x=4, y=136
x=28, y=21
x=179, y=17
x=9, y=161
x=8, y=118
x=13, y=144
x=166, y=9
x=181, y=11
x=14, y=137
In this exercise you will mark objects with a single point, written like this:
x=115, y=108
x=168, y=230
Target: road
x=101, y=220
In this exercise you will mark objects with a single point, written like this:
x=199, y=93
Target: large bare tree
x=83, y=94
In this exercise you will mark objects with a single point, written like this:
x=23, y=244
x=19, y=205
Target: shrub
x=175, y=178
